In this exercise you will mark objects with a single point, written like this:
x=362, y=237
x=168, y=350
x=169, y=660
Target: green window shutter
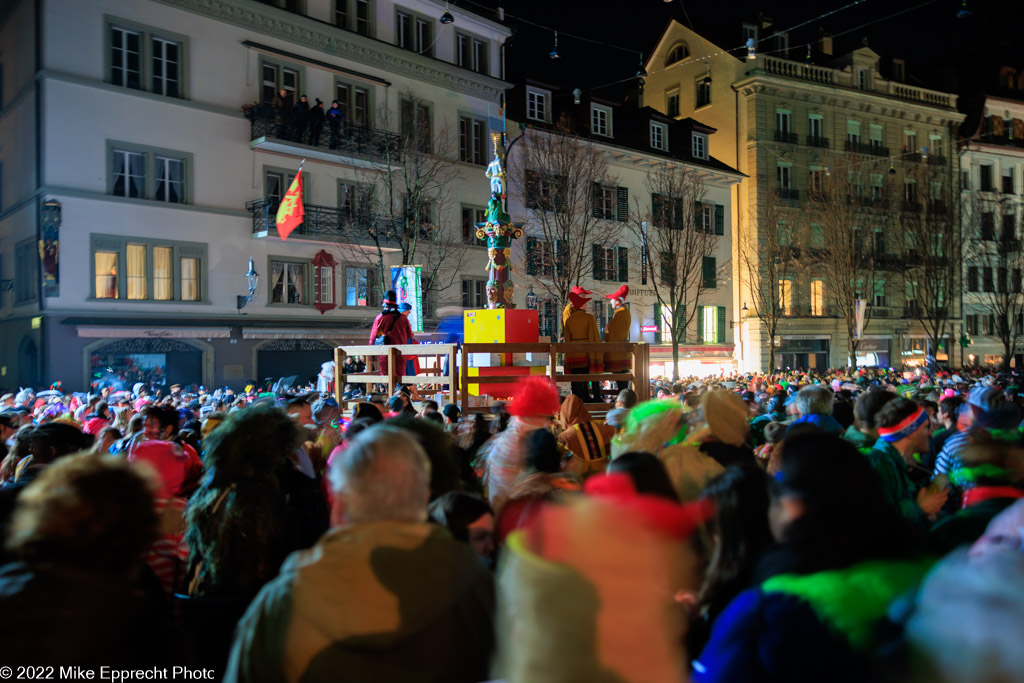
x=720, y=319
x=622, y=197
x=700, y=325
x=532, y=189
x=560, y=189
x=598, y=262
x=657, y=323
x=623, y=264
x=710, y=266
x=595, y=200
x=531, y=255
x=719, y=219
x=698, y=217
x=656, y=211
x=556, y=254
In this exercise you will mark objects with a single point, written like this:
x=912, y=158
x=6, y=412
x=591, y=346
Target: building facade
x=633, y=145
x=143, y=157
x=787, y=125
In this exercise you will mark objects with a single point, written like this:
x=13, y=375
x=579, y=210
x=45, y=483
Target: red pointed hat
x=621, y=293
x=578, y=301
x=579, y=290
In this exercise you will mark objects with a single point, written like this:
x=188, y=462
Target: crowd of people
x=302, y=121
x=833, y=526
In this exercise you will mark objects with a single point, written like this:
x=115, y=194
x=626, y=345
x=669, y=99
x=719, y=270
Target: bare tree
x=679, y=241
x=772, y=252
x=560, y=176
x=931, y=250
x=994, y=262
x=851, y=224
x=401, y=206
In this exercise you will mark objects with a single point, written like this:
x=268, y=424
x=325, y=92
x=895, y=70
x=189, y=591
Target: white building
x=633, y=142
x=126, y=115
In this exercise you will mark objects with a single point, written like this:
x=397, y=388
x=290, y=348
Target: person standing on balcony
x=282, y=106
x=616, y=332
x=316, y=122
x=335, y=117
x=300, y=118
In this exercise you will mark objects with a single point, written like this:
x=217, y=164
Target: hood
x=573, y=411
x=404, y=576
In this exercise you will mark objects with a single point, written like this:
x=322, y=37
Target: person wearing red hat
x=581, y=327
x=567, y=311
x=617, y=331
x=390, y=327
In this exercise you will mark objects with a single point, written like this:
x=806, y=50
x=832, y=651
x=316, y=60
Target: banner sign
x=859, y=309
x=408, y=286
x=49, y=247
x=648, y=328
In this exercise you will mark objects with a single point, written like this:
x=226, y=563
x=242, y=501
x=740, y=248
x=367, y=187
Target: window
x=288, y=282
x=987, y=282
x=899, y=70
x=783, y=122
x=749, y=32
x=659, y=136
x=972, y=279
x=139, y=172
x=147, y=269
x=853, y=133
x=709, y=272
x=605, y=263
x=26, y=278
x=470, y=217
x=876, y=186
x=863, y=79
x=538, y=104
x=815, y=127
x=672, y=103
x=909, y=141
x=473, y=140
x=325, y=284
x=985, y=176
x=474, y=293
x=972, y=323
x=817, y=297
x=416, y=124
x=711, y=324
x=1009, y=227
x=879, y=241
x=786, y=297
x=355, y=103
x=600, y=120
x=141, y=58
x=935, y=145
x=413, y=33
x=355, y=202
x=784, y=176
x=876, y=136
x=1008, y=180
x=471, y=53
x=668, y=212
x=705, y=217
x=700, y=146
x=988, y=226
x=354, y=15
x=359, y=286
x=703, y=96
x=545, y=191
x=604, y=202
x=879, y=293
x=910, y=192
x=275, y=183
x=541, y=257
x=677, y=54
x=815, y=181
x=276, y=77
x=548, y=313
x=663, y=317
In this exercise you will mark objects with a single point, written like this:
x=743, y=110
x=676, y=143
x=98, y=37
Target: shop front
x=874, y=351
x=917, y=352
x=802, y=352
x=695, y=360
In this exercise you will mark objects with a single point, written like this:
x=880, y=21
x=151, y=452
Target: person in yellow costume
x=617, y=330
x=581, y=326
x=567, y=311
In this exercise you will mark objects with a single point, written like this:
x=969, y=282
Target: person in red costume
x=391, y=327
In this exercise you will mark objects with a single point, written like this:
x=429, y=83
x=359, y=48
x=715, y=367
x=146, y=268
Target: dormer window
x=659, y=136
x=601, y=120
x=538, y=104
x=677, y=54
x=700, y=146
x=749, y=31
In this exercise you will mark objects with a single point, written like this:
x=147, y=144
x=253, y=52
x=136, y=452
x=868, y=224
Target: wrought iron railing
x=786, y=136
x=349, y=138
x=817, y=141
x=787, y=193
x=324, y=222
x=872, y=148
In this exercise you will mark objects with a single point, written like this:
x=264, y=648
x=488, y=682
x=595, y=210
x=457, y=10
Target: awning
x=98, y=332
x=292, y=333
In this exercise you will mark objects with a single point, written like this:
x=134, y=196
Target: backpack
x=384, y=329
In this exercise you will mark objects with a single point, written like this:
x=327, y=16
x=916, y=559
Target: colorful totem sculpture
x=499, y=231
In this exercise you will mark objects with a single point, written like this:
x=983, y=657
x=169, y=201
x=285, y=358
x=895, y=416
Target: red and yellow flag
x=291, y=213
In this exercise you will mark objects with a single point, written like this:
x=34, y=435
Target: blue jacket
x=825, y=423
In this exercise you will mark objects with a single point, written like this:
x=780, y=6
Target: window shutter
x=623, y=204
x=656, y=211
x=556, y=254
x=560, y=188
x=698, y=216
x=531, y=255
x=720, y=314
x=719, y=219
x=623, y=264
x=532, y=189
x=595, y=200
x=598, y=262
x=657, y=323
x=710, y=266
x=700, y=325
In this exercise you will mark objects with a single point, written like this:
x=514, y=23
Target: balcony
x=872, y=148
x=352, y=140
x=321, y=224
x=937, y=160
x=786, y=136
x=936, y=206
x=787, y=193
x=910, y=205
x=809, y=311
x=817, y=141
x=911, y=156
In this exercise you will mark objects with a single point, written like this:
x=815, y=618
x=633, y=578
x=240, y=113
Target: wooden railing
x=396, y=375
x=639, y=373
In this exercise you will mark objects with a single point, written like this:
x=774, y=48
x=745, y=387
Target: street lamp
x=252, y=278
x=531, y=300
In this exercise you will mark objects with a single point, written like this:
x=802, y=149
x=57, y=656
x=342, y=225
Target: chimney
x=825, y=42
